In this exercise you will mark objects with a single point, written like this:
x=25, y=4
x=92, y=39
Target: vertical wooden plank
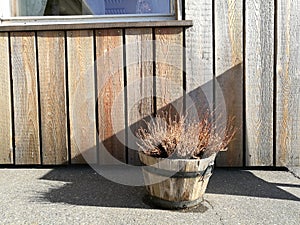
x=199, y=57
x=24, y=73
x=139, y=62
x=288, y=84
x=6, y=151
x=110, y=76
x=229, y=72
x=259, y=82
x=52, y=74
x=169, y=69
x=81, y=83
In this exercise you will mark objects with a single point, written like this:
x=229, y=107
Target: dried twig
x=178, y=138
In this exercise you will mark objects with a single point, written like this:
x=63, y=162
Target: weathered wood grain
x=81, y=84
x=175, y=189
x=229, y=73
x=111, y=108
x=52, y=75
x=169, y=69
x=24, y=73
x=6, y=149
x=259, y=82
x=139, y=64
x=288, y=84
x=199, y=58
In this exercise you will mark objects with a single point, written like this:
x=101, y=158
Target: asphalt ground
x=78, y=195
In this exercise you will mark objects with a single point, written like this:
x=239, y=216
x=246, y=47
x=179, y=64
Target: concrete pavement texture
x=78, y=195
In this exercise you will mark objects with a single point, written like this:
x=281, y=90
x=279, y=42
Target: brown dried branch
x=178, y=138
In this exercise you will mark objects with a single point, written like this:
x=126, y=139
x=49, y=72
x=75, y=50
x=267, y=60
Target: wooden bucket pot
x=176, y=183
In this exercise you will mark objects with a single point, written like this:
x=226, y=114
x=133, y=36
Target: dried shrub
x=178, y=138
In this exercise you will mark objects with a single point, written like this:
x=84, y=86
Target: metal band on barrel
x=179, y=174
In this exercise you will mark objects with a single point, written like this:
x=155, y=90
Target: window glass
x=89, y=7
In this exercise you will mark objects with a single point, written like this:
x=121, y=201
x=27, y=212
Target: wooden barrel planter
x=176, y=183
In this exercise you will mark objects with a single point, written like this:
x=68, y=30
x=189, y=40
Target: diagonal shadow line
x=199, y=100
x=287, y=185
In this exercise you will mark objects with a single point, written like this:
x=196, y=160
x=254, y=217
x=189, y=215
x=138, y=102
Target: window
x=31, y=8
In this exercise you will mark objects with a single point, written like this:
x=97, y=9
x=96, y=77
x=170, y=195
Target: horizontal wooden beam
x=40, y=26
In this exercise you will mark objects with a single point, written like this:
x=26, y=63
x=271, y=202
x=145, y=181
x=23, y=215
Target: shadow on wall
x=229, y=100
x=85, y=187
x=230, y=90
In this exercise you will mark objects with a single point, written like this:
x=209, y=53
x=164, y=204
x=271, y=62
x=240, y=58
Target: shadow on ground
x=244, y=183
x=87, y=188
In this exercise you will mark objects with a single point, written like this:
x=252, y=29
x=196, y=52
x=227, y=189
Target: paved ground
x=81, y=196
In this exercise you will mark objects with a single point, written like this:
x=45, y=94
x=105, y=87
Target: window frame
x=41, y=20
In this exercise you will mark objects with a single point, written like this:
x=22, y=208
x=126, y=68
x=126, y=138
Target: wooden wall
x=6, y=149
x=248, y=50
x=69, y=95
